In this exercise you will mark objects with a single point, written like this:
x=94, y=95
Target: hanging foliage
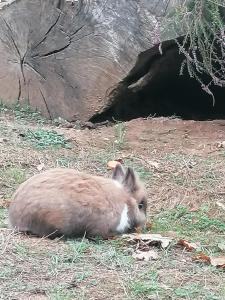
x=203, y=23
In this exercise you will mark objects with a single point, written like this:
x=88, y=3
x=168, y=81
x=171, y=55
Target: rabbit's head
x=131, y=183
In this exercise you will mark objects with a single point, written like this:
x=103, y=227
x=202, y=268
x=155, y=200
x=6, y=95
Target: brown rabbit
x=64, y=202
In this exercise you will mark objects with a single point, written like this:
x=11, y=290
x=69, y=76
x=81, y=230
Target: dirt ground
x=182, y=164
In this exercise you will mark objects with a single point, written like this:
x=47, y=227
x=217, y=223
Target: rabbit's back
x=68, y=203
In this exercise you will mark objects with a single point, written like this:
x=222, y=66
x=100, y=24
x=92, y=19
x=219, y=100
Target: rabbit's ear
x=118, y=173
x=130, y=180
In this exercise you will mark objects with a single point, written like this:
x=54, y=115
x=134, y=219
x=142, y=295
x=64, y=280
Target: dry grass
x=184, y=190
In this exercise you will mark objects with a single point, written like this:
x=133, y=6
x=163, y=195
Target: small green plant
x=6, y=273
x=63, y=162
x=209, y=179
x=26, y=112
x=3, y=107
x=188, y=291
x=146, y=285
x=42, y=139
x=2, y=216
x=12, y=176
x=194, y=291
x=21, y=249
x=77, y=249
x=120, y=133
x=23, y=112
x=60, y=292
x=112, y=256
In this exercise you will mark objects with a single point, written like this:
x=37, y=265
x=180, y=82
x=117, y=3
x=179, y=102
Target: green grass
x=5, y=272
x=3, y=212
x=23, y=112
x=103, y=252
x=193, y=171
x=101, y=158
x=194, y=226
x=77, y=250
x=187, y=221
x=21, y=249
x=145, y=174
x=146, y=285
x=61, y=292
x=108, y=255
x=64, y=161
x=12, y=176
x=151, y=284
x=120, y=136
x=209, y=178
x=42, y=139
x=192, y=291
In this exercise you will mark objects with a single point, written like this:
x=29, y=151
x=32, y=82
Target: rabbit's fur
x=70, y=203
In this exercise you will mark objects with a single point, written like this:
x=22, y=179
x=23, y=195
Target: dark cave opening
x=155, y=88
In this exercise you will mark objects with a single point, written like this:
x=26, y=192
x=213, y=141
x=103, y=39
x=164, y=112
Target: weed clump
x=42, y=139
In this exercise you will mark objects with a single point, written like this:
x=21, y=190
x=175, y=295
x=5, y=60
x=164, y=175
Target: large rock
x=62, y=57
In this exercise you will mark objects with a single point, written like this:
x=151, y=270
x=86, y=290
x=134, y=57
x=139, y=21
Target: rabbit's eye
x=141, y=205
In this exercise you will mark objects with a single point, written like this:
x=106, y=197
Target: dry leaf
x=145, y=255
x=218, y=261
x=148, y=226
x=4, y=203
x=138, y=229
x=149, y=239
x=221, y=144
x=202, y=258
x=187, y=245
x=221, y=205
x=40, y=167
x=221, y=246
x=112, y=164
x=153, y=164
x=194, y=208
